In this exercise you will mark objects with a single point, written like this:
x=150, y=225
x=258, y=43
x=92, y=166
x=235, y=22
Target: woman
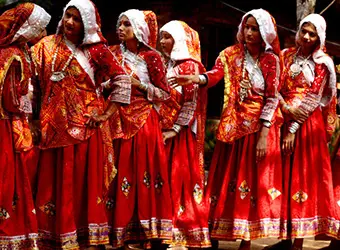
x=184, y=137
x=245, y=178
x=77, y=159
x=308, y=86
x=142, y=188
x=18, y=225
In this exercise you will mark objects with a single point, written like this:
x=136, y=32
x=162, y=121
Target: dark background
x=215, y=21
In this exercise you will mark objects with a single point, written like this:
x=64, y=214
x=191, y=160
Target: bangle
x=286, y=107
x=267, y=124
x=202, y=79
x=176, y=128
x=294, y=126
x=143, y=86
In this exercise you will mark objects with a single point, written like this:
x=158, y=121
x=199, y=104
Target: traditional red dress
x=308, y=177
x=18, y=224
x=76, y=164
x=186, y=108
x=142, y=203
x=245, y=196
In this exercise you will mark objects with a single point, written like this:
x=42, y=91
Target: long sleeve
x=110, y=74
x=271, y=74
x=187, y=112
x=158, y=88
x=314, y=94
x=217, y=73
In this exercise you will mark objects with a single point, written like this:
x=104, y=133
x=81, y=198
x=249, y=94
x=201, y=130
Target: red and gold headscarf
x=186, y=41
x=26, y=20
x=144, y=24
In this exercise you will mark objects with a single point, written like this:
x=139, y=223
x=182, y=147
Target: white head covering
x=88, y=15
x=34, y=25
x=139, y=25
x=319, y=56
x=266, y=26
x=186, y=41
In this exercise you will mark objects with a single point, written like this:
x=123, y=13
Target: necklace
x=59, y=75
x=245, y=84
x=296, y=67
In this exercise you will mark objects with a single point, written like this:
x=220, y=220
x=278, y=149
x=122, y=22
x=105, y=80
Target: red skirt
x=308, y=183
x=245, y=197
x=18, y=224
x=190, y=210
x=141, y=200
x=70, y=186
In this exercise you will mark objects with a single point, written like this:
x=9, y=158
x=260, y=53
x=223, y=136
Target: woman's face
x=125, y=30
x=167, y=43
x=308, y=36
x=73, y=25
x=251, y=32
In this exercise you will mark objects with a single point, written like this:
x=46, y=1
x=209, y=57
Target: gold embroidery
x=159, y=183
x=125, y=187
x=198, y=194
x=300, y=196
x=4, y=215
x=274, y=193
x=49, y=208
x=181, y=210
x=244, y=189
x=147, y=179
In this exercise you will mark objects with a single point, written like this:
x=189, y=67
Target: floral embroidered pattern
x=198, y=193
x=4, y=215
x=109, y=203
x=159, y=183
x=146, y=180
x=300, y=196
x=274, y=193
x=49, y=208
x=125, y=187
x=181, y=210
x=213, y=200
x=244, y=189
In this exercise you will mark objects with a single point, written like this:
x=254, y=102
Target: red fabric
x=257, y=215
x=11, y=21
x=142, y=210
x=15, y=196
x=70, y=209
x=190, y=214
x=308, y=170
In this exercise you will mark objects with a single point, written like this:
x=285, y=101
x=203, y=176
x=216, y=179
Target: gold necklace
x=245, y=84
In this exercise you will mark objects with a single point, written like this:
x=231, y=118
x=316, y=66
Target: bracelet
x=286, y=107
x=176, y=128
x=143, y=86
x=266, y=124
x=294, y=126
x=202, y=79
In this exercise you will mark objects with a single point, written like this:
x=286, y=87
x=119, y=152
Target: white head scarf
x=34, y=25
x=186, y=41
x=319, y=56
x=266, y=26
x=88, y=15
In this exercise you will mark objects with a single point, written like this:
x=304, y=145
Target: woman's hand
x=183, y=80
x=288, y=143
x=95, y=120
x=261, y=148
x=35, y=131
x=168, y=134
x=135, y=82
x=298, y=115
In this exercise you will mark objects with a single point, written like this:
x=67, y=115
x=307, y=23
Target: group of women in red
x=104, y=144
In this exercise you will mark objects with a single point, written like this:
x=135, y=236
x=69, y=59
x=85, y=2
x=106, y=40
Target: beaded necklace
x=59, y=75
